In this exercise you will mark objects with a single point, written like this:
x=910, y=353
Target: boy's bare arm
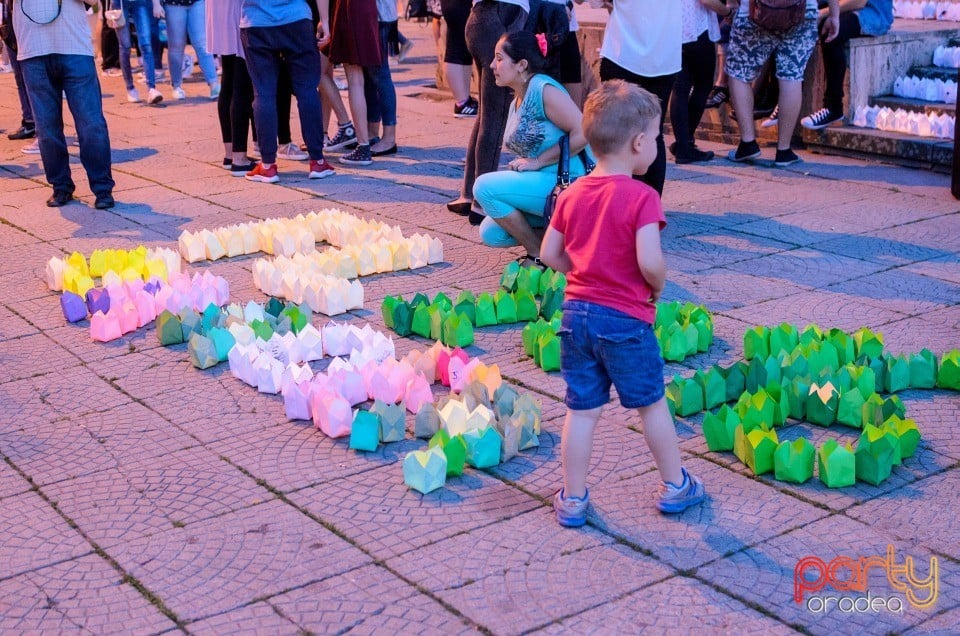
x=552, y=252
x=650, y=258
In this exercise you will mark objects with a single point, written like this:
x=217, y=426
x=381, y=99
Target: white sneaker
x=773, y=119
x=178, y=94
x=133, y=96
x=154, y=96
x=292, y=151
x=32, y=149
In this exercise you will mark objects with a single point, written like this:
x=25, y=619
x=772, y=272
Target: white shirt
x=644, y=36
x=697, y=19
x=67, y=34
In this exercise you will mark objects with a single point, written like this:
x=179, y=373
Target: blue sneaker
x=571, y=511
x=675, y=498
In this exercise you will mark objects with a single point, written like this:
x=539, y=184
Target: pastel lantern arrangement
x=943, y=10
x=76, y=274
x=930, y=89
x=300, y=234
x=825, y=378
x=941, y=125
x=947, y=56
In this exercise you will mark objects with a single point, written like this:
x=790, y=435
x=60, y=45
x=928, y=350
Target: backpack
x=550, y=19
x=777, y=15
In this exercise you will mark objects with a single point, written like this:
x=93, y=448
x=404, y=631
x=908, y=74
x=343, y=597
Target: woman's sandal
x=532, y=261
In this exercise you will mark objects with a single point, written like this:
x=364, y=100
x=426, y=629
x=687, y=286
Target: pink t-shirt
x=599, y=218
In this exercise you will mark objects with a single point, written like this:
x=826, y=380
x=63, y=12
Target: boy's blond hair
x=615, y=113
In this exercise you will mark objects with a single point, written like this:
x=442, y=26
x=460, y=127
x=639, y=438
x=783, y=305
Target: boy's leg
x=575, y=450
x=661, y=437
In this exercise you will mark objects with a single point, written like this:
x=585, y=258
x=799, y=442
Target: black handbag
x=563, y=175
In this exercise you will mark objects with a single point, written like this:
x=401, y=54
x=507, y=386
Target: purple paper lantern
x=98, y=300
x=73, y=306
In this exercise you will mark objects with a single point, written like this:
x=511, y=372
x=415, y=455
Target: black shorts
x=455, y=14
x=569, y=58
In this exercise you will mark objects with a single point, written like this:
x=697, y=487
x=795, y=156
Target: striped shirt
x=40, y=31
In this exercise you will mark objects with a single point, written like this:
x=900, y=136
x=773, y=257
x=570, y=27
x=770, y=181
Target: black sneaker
x=346, y=137
x=470, y=108
x=359, y=156
x=821, y=119
x=24, y=132
x=786, y=158
x=693, y=155
x=718, y=96
x=104, y=201
x=241, y=169
x=746, y=151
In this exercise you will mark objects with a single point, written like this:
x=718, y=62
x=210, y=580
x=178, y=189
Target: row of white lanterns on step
x=927, y=10
x=925, y=88
x=907, y=122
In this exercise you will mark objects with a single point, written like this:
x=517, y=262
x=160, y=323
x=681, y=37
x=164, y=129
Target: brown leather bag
x=777, y=15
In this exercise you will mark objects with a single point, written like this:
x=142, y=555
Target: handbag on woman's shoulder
x=563, y=175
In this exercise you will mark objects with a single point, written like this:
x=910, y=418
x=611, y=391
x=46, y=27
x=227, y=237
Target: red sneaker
x=320, y=169
x=263, y=175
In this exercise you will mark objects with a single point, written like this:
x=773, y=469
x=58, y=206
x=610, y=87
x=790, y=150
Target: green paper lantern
x=169, y=330
x=836, y=464
x=793, y=461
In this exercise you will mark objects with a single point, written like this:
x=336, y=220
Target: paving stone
x=36, y=536
x=225, y=563
x=380, y=513
x=34, y=355
x=55, y=395
x=365, y=601
x=804, y=266
x=49, y=452
x=712, y=288
x=13, y=326
x=821, y=307
x=943, y=267
x=295, y=455
x=145, y=374
x=738, y=512
x=11, y=483
x=941, y=234
x=11, y=236
x=674, y=606
x=42, y=313
x=902, y=291
x=764, y=575
x=936, y=414
x=943, y=623
x=471, y=556
x=81, y=595
x=134, y=431
x=906, y=513
x=877, y=249
x=534, y=594
x=935, y=330
x=723, y=247
x=254, y=618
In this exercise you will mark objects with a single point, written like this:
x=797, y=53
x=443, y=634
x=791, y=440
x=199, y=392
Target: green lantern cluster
x=682, y=329
x=824, y=378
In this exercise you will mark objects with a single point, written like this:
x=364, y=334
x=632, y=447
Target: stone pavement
x=140, y=495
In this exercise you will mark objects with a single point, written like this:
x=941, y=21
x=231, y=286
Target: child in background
x=605, y=235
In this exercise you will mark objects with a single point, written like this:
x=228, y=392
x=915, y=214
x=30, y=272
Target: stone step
x=933, y=72
x=907, y=150
x=916, y=105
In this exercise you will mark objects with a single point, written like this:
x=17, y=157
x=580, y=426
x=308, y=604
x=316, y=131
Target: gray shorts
x=750, y=46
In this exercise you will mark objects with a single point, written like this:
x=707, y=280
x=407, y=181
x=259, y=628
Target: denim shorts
x=750, y=46
x=601, y=346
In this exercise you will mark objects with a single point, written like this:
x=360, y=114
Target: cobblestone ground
x=140, y=495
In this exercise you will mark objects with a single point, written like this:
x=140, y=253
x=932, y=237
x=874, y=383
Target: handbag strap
x=563, y=165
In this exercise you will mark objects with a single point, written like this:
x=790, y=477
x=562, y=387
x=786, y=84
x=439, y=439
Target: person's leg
x=82, y=87
x=792, y=56
x=511, y=200
x=241, y=110
x=458, y=78
x=45, y=89
x=123, y=35
x=791, y=94
x=26, y=112
x=680, y=102
x=176, y=42
x=701, y=76
x=156, y=43
x=358, y=106
x=835, y=61
x=263, y=64
x=576, y=447
x=139, y=15
x=458, y=65
x=331, y=97
x=381, y=80
x=196, y=29
x=223, y=105
x=661, y=436
x=284, y=105
x=303, y=62
x=109, y=44
x=748, y=50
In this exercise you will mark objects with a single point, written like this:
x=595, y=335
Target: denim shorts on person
x=750, y=46
x=601, y=346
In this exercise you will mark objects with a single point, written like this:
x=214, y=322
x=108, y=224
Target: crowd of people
x=656, y=58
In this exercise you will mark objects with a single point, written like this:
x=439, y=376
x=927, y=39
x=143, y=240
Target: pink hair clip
x=542, y=43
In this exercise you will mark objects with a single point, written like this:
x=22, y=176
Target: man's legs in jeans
x=45, y=87
x=303, y=61
x=80, y=83
x=263, y=63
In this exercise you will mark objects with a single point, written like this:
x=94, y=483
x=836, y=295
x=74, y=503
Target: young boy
x=605, y=235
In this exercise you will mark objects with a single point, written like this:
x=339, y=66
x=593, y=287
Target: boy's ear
x=636, y=142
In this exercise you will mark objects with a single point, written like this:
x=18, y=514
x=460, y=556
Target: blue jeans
x=600, y=345
x=180, y=21
x=49, y=76
x=295, y=45
x=139, y=14
x=378, y=89
x=26, y=113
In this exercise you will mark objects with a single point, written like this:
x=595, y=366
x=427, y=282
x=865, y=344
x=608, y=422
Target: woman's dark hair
x=523, y=45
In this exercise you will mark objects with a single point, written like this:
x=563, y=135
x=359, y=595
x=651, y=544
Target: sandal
x=531, y=261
